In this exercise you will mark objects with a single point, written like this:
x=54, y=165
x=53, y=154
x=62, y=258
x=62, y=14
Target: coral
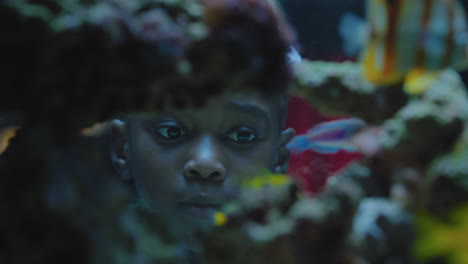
x=417, y=160
x=284, y=228
x=383, y=231
x=325, y=84
x=73, y=63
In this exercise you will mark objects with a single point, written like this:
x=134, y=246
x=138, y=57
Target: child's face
x=192, y=161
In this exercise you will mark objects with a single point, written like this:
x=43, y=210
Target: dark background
x=316, y=23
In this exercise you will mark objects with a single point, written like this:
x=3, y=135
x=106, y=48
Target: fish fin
x=292, y=56
x=353, y=30
x=335, y=129
x=418, y=80
x=328, y=137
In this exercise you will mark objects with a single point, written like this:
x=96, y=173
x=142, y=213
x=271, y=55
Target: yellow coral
x=268, y=179
x=220, y=218
x=437, y=238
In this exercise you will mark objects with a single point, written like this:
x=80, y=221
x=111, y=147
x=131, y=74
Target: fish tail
x=418, y=80
x=298, y=144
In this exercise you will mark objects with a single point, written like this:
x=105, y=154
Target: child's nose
x=205, y=162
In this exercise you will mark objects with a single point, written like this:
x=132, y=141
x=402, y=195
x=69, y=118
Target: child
x=189, y=161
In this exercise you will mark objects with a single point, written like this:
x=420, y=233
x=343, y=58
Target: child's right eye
x=171, y=132
x=242, y=136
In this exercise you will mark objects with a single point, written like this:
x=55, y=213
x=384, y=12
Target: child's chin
x=200, y=219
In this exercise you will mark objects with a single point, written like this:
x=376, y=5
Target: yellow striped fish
x=408, y=41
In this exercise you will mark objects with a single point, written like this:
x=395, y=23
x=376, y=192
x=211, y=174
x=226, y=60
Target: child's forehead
x=241, y=102
x=226, y=106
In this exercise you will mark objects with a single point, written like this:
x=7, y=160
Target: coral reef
x=371, y=212
x=417, y=157
x=343, y=82
x=72, y=63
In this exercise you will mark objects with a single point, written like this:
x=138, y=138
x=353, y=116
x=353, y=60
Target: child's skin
x=190, y=161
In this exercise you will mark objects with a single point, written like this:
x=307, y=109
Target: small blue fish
x=328, y=137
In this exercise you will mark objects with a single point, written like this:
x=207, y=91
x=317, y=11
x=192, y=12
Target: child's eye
x=242, y=136
x=171, y=132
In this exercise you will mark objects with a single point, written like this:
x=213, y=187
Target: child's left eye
x=242, y=137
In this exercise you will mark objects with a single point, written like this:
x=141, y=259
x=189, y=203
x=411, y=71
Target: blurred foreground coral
x=400, y=204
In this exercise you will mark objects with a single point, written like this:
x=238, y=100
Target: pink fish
x=328, y=137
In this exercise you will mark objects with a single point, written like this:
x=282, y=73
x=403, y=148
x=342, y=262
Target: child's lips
x=199, y=211
x=200, y=206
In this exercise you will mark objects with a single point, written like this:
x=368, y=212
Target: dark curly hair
x=245, y=49
x=136, y=59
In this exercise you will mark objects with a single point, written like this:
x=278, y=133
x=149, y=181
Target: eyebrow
x=249, y=109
